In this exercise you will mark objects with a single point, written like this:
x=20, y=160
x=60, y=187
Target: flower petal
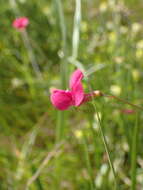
x=77, y=94
x=61, y=99
x=20, y=23
x=76, y=77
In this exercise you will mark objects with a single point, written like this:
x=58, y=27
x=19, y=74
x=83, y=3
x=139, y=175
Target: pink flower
x=20, y=23
x=63, y=99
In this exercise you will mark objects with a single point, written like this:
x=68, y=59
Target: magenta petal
x=76, y=77
x=61, y=99
x=20, y=23
x=77, y=94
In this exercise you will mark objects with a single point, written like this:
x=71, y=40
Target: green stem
x=31, y=55
x=61, y=116
x=64, y=68
x=38, y=183
x=76, y=30
x=61, y=123
x=135, y=138
x=62, y=25
x=88, y=164
x=106, y=146
x=124, y=101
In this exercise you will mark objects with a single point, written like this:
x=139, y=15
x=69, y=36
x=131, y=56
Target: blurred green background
x=45, y=149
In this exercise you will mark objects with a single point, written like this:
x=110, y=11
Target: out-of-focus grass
x=110, y=50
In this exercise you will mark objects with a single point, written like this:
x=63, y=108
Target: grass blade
x=61, y=117
x=88, y=164
x=105, y=145
x=135, y=138
x=76, y=30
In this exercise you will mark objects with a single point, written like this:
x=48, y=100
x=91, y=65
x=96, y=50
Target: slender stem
x=88, y=164
x=107, y=151
x=98, y=93
x=62, y=25
x=31, y=55
x=76, y=30
x=135, y=138
x=55, y=152
x=124, y=101
x=61, y=123
x=76, y=37
x=61, y=116
x=106, y=145
x=38, y=182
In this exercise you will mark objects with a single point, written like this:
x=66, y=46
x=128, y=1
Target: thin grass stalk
x=106, y=146
x=37, y=181
x=61, y=116
x=61, y=124
x=62, y=24
x=135, y=140
x=98, y=93
x=31, y=55
x=73, y=60
x=26, y=151
x=88, y=164
x=76, y=37
x=63, y=30
x=76, y=30
x=54, y=153
x=123, y=101
x=94, y=135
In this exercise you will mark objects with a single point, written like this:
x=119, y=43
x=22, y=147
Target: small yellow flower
x=115, y=89
x=78, y=133
x=103, y=6
x=135, y=74
x=119, y=59
x=112, y=36
x=139, y=45
x=46, y=10
x=84, y=26
x=139, y=53
x=136, y=27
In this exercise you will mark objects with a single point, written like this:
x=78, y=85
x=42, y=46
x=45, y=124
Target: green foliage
x=108, y=46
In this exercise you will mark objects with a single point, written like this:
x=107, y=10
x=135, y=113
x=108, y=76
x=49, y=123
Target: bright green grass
x=82, y=148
